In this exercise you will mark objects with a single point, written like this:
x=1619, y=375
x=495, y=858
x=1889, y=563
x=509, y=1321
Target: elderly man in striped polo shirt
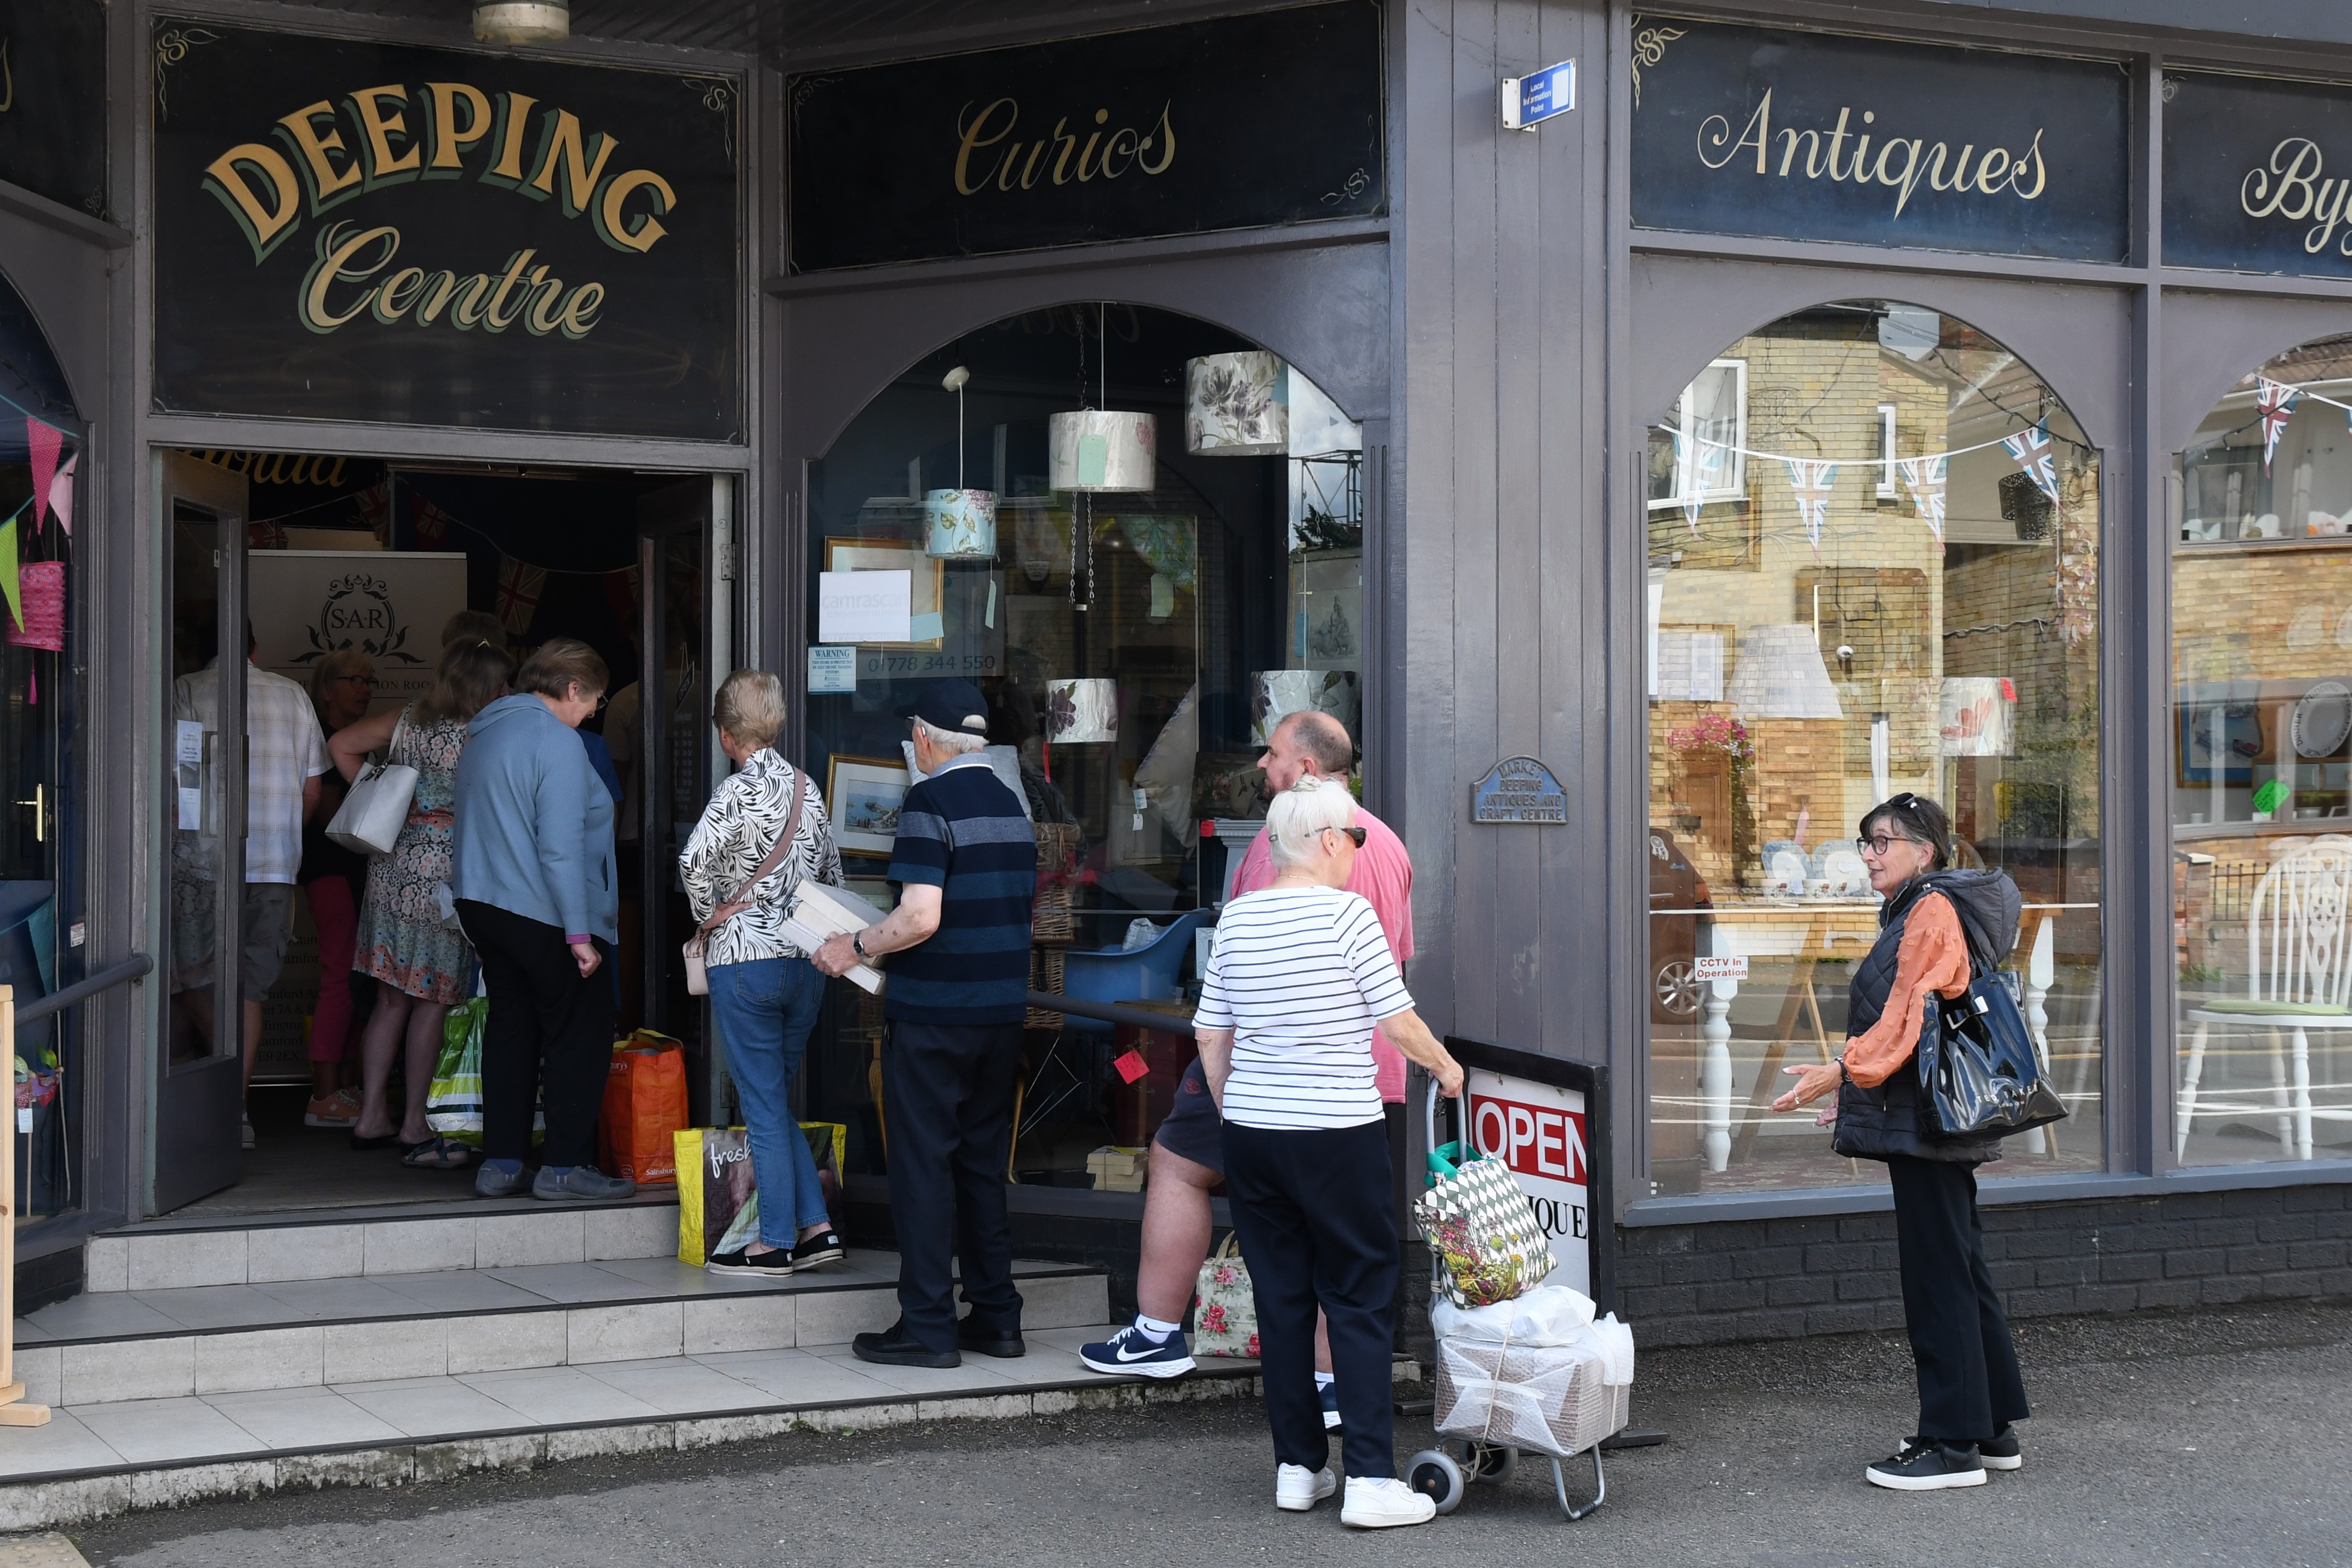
x=966, y=863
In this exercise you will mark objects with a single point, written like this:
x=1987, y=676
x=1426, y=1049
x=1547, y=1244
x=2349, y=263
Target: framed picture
x=925, y=600
x=862, y=796
x=2227, y=736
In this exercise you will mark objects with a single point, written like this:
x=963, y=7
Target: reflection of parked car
x=1680, y=930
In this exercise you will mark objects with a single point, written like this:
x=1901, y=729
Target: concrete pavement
x=2215, y=1438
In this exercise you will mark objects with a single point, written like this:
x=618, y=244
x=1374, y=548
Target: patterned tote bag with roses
x=1225, y=1322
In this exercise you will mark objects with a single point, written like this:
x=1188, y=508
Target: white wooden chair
x=2298, y=980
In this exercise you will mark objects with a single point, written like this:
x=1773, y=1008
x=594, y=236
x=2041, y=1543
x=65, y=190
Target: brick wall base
x=1781, y=1279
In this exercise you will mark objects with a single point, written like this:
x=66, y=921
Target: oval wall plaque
x=1520, y=789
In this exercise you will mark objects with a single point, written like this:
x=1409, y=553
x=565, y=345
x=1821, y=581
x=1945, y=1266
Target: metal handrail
x=1110, y=1013
x=129, y=969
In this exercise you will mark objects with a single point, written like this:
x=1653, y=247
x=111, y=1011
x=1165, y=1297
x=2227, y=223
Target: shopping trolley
x=1496, y=1399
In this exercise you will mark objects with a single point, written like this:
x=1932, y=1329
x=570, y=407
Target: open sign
x=1538, y=1132
x=1533, y=1139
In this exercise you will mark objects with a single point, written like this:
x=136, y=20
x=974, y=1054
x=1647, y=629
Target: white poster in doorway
x=392, y=604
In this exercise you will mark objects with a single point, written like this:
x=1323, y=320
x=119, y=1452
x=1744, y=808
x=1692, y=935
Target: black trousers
x=1969, y=1387
x=1312, y=1212
x=947, y=1104
x=548, y=1042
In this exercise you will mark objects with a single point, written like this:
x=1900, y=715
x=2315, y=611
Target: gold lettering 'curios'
x=1901, y=164
x=2292, y=186
x=987, y=153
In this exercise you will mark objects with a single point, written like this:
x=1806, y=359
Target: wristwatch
x=857, y=944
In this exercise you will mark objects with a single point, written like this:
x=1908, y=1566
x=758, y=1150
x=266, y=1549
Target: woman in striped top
x=1300, y=980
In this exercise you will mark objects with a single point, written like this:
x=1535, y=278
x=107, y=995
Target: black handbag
x=1979, y=1075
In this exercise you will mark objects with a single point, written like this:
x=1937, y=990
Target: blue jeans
x=766, y=1010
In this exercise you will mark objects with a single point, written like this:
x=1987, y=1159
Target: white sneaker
x=247, y=1138
x=1298, y=1489
x=1379, y=1504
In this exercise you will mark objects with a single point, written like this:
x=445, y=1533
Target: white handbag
x=371, y=818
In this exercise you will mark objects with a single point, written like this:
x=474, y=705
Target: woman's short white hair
x=1295, y=821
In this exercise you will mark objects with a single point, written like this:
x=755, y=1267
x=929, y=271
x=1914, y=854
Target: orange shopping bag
x=644, y=1110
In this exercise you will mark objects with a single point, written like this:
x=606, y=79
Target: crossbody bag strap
x=776, y=854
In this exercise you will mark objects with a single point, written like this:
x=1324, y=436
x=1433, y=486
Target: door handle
x=39, y=802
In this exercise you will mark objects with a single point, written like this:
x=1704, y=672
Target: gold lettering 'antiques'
x=985, y=157
x=1902, y=165
x=2291, y=187
x=328, y=152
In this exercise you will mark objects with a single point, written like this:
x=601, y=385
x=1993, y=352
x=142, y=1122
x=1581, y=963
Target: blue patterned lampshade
x=960, y=525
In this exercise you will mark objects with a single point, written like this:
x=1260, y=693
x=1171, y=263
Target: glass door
x=200, y=1097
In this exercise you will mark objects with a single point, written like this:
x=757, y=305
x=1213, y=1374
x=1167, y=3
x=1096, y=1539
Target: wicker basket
x=1045, y=974
x=1057, y=847
x=1053, y=925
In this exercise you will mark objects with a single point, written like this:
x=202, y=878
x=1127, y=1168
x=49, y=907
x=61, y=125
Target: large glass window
x=2261, y=773
x=1175, y=563
x=1873, y=541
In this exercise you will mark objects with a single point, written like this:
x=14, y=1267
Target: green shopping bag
x=452, y=1106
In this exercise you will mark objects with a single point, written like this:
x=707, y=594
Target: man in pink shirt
x=1188, y=1152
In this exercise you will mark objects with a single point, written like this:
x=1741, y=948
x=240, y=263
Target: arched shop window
x=2261, y=776
x=1874, y=546
x=41, y=438
x=1175, y=562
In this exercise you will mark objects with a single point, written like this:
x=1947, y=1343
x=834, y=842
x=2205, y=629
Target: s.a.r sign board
x=1546, y=1117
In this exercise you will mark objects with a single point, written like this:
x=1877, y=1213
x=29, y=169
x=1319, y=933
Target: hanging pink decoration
x=1924, y=477
x=2030, y=450
x=2274, y=400
x=44, y=441
x=61, y=494
x=1811, y=478
x=41, y=596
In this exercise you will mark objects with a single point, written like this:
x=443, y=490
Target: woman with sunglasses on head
x=1937, y=927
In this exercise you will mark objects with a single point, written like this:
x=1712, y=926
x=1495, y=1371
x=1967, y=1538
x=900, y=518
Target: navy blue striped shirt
x=962, y=831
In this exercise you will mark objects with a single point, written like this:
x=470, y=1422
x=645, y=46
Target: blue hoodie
x=534, y=829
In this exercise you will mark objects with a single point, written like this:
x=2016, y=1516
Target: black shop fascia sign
x=2257, y=174
x=375, y=232
x=1243, y=123
x=1779, y=134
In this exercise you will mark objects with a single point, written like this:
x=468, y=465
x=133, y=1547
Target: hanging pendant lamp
x=960, y=524
x=1098, y=450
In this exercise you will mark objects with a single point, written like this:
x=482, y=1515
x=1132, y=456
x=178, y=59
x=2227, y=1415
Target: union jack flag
x=2030, y=450
x=1811, y=480
x=1924, y=477
x=518, y=588
x=1695, y=461
x=2275, y=400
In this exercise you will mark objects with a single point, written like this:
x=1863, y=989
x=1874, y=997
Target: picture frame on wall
x=926, y=599
x=2242, y=740
x=862, y=796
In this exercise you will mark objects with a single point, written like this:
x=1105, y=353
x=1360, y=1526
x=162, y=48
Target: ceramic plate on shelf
x=2323, y=720
x=1843, y=869
x=1785, y=870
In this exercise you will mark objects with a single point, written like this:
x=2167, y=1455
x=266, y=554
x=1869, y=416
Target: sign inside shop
x=1235, y=124
x=1519, y=789
x=1815, y=136
x=2257, y=174
x=371, y=231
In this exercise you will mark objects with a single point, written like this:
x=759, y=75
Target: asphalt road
x=2221, y=1438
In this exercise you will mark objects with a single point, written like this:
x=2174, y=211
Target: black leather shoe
x=899, y=1348
x=1003, y=1343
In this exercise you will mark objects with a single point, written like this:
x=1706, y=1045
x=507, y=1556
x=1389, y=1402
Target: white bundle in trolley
x=1536, y=1373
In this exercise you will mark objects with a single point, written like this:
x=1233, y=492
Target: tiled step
x=95, y=1459
x=167, y=1255
x=237, y=1339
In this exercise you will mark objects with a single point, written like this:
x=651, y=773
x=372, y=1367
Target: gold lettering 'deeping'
x=1903, y=164
x=987, y=154
x=434, y=131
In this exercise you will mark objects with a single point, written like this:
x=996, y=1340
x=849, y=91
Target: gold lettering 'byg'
x=1059, y=157
x=1903, y=164
x=518, y=293
x=2294, y=185
x=329, y=152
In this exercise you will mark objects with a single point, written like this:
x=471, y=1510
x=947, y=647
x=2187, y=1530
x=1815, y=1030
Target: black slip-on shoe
x=774, y=1264
x=1928, y=1466
x=823, y=1247
x=899, y=1348
x=1001, y=1343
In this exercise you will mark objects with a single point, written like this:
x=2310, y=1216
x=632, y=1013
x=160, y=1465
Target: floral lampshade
x=1101, y=450
x=1979, y=717
x=1780, y=676
x=960, y=525
x=1237, y=406
x=1081, y=710
x=1276, y=694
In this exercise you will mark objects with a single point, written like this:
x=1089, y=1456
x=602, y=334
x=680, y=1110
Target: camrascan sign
x=1789, y=135
x=365, y=231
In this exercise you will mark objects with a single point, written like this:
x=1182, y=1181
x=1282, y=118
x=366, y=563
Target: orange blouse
x=1934, y=957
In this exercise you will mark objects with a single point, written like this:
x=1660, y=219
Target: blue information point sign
x=1529, y=100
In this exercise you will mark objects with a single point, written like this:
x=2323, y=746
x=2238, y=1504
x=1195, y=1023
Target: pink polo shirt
x=1383, y=875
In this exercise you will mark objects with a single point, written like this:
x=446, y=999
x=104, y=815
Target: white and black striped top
x=737, y=828
x=1299, y=974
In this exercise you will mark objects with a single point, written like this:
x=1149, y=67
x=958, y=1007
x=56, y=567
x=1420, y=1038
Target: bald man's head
x=1301, y=742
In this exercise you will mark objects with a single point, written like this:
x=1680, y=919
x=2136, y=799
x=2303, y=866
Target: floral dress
x=403, y=941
